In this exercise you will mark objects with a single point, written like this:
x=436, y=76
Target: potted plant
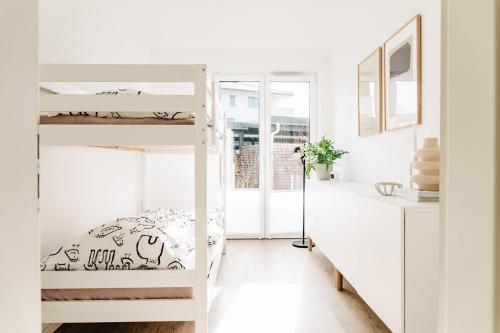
x=321, y=156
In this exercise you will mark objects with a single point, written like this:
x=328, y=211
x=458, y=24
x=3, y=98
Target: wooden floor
x=269, y=287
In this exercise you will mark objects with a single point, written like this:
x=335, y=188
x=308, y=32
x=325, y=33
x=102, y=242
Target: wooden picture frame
x=370, y=94
x=403, y=77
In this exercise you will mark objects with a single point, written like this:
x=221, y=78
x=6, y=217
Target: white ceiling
x=200, y=24
x=131, y=28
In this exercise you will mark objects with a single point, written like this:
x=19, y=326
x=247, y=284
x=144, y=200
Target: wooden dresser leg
x=339, y=280
x=309, y=244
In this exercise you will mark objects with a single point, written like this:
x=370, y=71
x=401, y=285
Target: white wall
x=169, y=181
x=90, y=32
x=363, y=27
x=470, y=111
x=19, y=238
x=125, y=30
x=497, y=189
x=84, y=187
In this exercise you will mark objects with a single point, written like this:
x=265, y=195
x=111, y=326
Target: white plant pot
x=322, y=172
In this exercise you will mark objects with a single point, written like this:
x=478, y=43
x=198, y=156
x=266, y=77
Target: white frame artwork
x=408, y=112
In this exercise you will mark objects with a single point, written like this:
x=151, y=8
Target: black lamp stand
x=301, y=243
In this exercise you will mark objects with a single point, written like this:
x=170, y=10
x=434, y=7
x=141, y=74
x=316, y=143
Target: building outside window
x=287, y=113
x=232, y=101
x=289, y=123
x=253, y=102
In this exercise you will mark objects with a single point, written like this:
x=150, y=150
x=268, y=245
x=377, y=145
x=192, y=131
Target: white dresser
x=385, y=247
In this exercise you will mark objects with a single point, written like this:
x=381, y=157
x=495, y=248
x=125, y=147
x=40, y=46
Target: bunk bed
x=160, y=294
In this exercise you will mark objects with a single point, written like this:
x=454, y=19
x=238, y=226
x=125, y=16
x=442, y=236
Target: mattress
x=214, y=253
x=118, y=118
x=90, y=120
x=157, y=239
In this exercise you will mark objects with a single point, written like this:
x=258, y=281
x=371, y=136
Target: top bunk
x=145, y=107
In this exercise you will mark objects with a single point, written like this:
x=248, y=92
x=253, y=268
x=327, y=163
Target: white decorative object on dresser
x=387, y=248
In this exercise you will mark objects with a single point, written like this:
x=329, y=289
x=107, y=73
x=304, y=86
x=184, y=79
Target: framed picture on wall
x=403, y=77
x=370, y=94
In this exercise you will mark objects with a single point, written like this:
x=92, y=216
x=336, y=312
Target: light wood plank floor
x=268, y=286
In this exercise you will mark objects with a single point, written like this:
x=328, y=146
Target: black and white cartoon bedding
x=157, y=239
x=115, y=92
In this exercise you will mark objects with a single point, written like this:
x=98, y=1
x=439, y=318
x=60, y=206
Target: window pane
x=243, y=209
x=253, y=102
x=243, y=128
x=289, y=130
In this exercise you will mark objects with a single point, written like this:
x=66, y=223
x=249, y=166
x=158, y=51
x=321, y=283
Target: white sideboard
x=386, y=248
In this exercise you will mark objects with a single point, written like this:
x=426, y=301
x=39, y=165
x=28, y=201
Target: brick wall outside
x=246, y=167
x=287, y=167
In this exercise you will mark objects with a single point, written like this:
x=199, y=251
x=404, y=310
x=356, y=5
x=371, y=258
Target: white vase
x=426, y=166
x=323, y=172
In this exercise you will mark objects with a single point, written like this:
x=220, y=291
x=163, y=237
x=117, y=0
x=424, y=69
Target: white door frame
x=268, y=144
x=264, y=130
x=262, y=137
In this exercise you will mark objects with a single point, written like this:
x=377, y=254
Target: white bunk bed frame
x=189, y=309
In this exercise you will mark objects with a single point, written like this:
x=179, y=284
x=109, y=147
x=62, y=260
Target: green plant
x=322, y=152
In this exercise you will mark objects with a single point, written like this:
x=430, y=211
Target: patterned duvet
x=126, y=115
x=157, y=239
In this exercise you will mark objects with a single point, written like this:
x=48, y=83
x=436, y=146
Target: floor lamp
x=301, y=243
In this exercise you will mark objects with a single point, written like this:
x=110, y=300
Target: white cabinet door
x=379, y=268
x=386, y=248
x=363, y=238
x=421, y=272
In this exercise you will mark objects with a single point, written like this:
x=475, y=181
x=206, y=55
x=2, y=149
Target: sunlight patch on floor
x=262, y=308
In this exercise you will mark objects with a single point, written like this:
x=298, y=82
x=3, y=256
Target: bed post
x=213, y=98
x=224, y=180
x=142, y=182
x=200, y=167
x=220, y=140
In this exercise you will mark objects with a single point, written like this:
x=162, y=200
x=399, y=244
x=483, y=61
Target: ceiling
x=131, y=28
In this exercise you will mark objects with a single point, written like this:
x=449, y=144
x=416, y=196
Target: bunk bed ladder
x=38, y=171
x=200, y=164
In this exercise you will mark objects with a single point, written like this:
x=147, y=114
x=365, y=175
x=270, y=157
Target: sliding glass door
x=241, y=103
x=289, y=115
x=266, y=119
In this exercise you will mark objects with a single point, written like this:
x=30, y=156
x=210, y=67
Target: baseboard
x=50, y=328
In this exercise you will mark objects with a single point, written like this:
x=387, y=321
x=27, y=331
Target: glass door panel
x=240, y=100
x=289, y=104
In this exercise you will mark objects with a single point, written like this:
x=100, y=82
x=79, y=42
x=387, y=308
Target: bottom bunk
x=132, y=269
x=213, y=256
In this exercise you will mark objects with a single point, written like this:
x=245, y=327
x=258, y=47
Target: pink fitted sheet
x=89, y=120
x=115, y=294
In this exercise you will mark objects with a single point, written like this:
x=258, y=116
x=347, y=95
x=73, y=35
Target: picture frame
x=403, y=77
x=370, y=97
